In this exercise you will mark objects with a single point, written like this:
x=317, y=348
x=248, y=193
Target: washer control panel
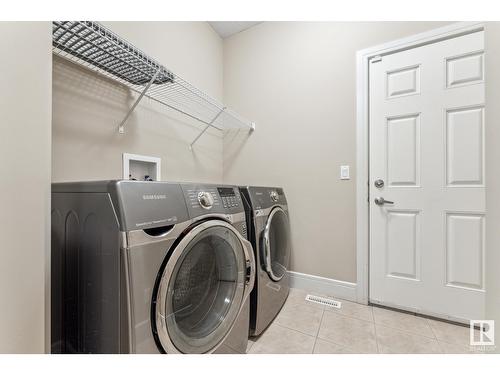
x=274, y=196
x=229, y=197
x=203, y=199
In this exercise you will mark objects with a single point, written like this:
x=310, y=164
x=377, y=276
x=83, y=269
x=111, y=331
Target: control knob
x=206, y=200
x=274, y=196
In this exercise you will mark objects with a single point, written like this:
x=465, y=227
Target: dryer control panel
x=265, y=197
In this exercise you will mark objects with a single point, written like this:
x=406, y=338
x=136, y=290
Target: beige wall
x=492, y=38
x=297, y=81
x=87, y=110
x=25, y=78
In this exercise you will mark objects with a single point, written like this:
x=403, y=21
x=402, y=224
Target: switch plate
x=344, y=172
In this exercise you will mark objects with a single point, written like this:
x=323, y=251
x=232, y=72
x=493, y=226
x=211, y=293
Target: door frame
x=363, y=58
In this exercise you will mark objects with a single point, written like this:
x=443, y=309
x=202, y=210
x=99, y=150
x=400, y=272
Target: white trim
x=148, y=159
x=323, y=285
x=363, y=58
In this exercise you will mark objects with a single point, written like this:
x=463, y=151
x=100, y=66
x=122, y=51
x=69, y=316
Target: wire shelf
x=95, y=47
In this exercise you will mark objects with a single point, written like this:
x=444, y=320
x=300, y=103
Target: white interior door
x=427, y=146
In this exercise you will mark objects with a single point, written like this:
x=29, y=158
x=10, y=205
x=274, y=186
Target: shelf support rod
x=121, y=129
x=206, y=127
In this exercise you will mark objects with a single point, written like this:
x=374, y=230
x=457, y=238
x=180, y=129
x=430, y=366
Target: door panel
x=466, y=69
x=427, y=145
x=403, y=250
x=404, y=81
x=403, y=148
x=465, y=250
x=464, y=146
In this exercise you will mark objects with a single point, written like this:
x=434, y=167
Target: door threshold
x=421, y=315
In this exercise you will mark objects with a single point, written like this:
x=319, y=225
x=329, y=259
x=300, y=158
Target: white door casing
x=427, y=145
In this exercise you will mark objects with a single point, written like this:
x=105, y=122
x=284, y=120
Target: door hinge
x=376, y=59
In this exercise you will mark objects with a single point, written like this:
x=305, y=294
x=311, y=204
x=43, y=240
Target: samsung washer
x=269, y=232
x=149, y=267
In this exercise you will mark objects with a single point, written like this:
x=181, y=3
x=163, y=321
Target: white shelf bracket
x=206, y=128
x=121, y=128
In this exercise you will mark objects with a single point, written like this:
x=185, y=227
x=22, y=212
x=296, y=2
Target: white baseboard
x=317, y=284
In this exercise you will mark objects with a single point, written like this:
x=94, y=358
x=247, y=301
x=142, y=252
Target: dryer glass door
x=201, y=290
x=276, y=244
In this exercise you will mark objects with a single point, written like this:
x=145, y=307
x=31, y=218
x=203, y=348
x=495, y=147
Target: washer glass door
x=276, y=244
x=201, y=290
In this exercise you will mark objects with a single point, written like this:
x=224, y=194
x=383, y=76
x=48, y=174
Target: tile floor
x=304, y=327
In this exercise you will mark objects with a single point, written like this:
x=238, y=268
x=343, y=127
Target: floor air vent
x=323, y=301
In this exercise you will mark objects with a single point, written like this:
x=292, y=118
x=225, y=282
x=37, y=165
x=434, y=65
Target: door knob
x=381, y=201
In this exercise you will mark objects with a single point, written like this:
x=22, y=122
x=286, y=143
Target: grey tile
x=355, y=334
x=402, y=321
x=354, y=310
x=351, y=330
x=301, y=317
x=391, y=340
x=448, y=332
x=280, y=340
x=327, y=347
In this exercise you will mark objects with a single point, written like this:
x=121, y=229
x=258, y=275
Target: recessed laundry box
x=141, y=167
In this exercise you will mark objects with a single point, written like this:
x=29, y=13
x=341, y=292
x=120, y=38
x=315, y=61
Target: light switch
x=344, y=172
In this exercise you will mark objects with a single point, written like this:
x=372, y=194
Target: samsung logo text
x=154, y=196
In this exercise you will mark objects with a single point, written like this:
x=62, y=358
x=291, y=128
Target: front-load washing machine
x=149, y=267
x=269, y=232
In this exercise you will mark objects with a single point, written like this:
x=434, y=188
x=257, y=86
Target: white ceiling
x=228, y=28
